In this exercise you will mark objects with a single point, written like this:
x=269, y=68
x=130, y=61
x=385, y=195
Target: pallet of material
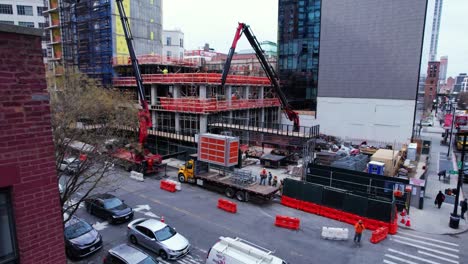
x=325, y=158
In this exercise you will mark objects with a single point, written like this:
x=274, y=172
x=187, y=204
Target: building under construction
x=185, y=103
x=87, y=34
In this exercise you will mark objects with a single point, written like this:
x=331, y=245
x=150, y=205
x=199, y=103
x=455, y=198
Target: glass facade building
x=298, y=50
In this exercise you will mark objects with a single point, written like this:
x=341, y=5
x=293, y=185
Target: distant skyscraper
x=443, y=69
x=435, y=30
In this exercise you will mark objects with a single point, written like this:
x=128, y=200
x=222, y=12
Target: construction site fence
x=194, y=105
x=192, y=78
x=340, y=200
x=153, y=59
x=265, y=127
x=359, y=183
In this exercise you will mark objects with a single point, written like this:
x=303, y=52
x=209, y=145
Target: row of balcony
x=200, y=106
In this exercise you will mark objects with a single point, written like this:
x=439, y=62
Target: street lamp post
x=454, y=217
x=452, y=109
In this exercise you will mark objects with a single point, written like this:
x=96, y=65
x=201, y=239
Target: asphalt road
x=193, y=212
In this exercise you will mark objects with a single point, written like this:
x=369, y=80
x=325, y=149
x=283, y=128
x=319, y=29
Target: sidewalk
x=432, y=220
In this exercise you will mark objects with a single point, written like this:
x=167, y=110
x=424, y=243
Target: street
x=193, y=212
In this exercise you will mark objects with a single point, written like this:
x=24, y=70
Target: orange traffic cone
x=403, y=213
x=403, y=220
x=408, y=221
x=162, y=219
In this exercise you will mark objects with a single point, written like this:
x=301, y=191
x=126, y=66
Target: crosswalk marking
x=400, y=259
x=413, y=257
x=421, y=247
x=427, y=243
x=438, y=257
x=431, y=239
x=389, y=262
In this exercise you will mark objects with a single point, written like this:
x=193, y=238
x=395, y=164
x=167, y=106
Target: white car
x=70, y=165
x=158, y=237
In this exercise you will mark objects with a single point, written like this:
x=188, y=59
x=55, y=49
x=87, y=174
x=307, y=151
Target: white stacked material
x=136, y=176
x=335, y=233
x=177, y=184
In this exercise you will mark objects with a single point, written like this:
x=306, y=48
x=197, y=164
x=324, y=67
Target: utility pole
x=452, y=108
x=454, y=217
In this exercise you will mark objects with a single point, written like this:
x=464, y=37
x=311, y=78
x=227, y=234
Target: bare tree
x=84, y=116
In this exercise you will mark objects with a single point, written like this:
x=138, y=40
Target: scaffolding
x=87, y=37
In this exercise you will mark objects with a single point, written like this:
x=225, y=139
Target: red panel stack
x=218, y=149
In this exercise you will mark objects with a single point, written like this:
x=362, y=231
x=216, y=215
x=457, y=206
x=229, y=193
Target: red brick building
x=432, y=83
x=31, y=229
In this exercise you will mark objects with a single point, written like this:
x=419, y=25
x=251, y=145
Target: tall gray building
x=369, y=64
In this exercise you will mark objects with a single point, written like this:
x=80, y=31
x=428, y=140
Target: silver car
x=158, y=237
x=125, y=254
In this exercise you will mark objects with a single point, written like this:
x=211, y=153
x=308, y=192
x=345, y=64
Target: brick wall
x=27, y=163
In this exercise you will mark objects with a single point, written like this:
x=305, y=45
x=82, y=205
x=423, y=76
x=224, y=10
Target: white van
x=238, y=251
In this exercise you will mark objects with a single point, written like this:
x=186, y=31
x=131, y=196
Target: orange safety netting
x=190, y=78
x=212, y=105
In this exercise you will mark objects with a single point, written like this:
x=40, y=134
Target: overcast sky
x=215, y=22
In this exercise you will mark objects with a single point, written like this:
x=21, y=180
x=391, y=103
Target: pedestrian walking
x=442, y=173
x=269, y=178
x=263, y=176
x=275, y=181
x=358, y=229
x=439, y=199
x=464, y=208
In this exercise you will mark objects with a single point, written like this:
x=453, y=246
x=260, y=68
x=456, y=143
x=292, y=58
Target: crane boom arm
x=144, y=116
x=269, y=70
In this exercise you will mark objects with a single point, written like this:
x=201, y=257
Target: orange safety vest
x=359, y=228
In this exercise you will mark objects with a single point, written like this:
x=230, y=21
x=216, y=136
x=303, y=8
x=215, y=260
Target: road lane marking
x=421, y=247
x=400, y=259
x=439, y=257
x=430, y=239
x=427, y=243
x=413, y=257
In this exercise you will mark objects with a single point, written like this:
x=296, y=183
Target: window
x=42, y=25
x=8, y=251
x=40, y=9
x=24, y=10
x=26, y=24
x=168, y=41
x=7, y=22
x=181, y=43
x=6, y=9
x=169, y=53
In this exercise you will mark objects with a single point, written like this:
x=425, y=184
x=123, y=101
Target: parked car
x=81, y=239
x=238, y=251
x=108, y=207
x=427, y=122
x=70, y=165
x=125, y=254
x=158, y=237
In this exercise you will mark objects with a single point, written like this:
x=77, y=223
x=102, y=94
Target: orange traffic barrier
x=379, y=234
x=227, y=205
x=287, y=222
x=290, y=202
x=168, y=186
x=393, y=227
x=309, y=207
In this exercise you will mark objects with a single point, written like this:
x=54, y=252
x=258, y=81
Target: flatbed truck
x=198, y=172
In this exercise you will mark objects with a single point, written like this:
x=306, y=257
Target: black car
x=109, y=207
x=81, y=239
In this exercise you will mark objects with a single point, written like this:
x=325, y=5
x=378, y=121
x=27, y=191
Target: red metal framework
x=193, y=105
x=190, y=78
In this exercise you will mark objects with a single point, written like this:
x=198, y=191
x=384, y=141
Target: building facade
x=173, y=44
x=89, y=34
x=458, y=85
x=369, y=68
x=443, y=69
x=432, y=84
x=27, y=14
x=31, y=224
x=298, y=50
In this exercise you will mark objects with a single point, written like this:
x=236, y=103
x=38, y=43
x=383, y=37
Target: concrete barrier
x=335, y=233
x=177, y=184
x=137, y=176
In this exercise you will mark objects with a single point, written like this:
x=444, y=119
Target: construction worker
x=263, y=176
x=275, y=181
x=165, y=71
x=358, y=228
x=269, y=178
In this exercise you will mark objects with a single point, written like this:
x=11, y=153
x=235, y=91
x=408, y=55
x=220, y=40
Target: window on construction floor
x=26, y=24
x=8, y=248
x=7, y=22
x=24, y=10
x=6, y=9
x=189, y=124
x=41, y=9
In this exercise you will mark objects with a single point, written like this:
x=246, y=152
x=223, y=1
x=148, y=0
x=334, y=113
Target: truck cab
x=186, y=172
